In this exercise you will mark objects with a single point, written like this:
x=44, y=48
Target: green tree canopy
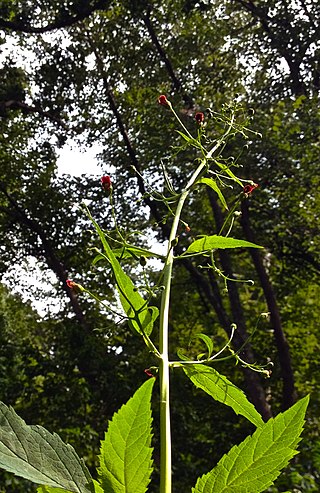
x=92, y=71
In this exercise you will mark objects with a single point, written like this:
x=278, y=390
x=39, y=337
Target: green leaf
x=182, y=355
x=97, y=259
x=188, y=139
x=208, y=243
x=125, y=460
x=228, y=171
x=35, y=454
x=207, y=340
x=136, y=252
x=49, y=489
x=97, y=487
x=141, y=316
x=222, y=390
x=213, y=184
x=252, y=466
x=147, y=317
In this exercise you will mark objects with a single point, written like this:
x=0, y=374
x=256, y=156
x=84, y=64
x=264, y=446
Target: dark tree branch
x=26, y=108
x=177, y=85
x=310, y=16
x=279, y=43
x=52, y=260
x=289, y=393
x=241, y=335
x=84, y=351
x=66, y=20
x=210, y=290
x=303, y=256
x=129, y=146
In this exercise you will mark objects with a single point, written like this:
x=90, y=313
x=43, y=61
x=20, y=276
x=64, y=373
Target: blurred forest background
x=90, y=71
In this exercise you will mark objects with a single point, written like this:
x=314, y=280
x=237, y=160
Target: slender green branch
x=165, y=427
x=230, y=214
x=175, y=364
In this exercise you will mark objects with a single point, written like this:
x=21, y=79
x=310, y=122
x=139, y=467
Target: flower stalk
x=165, y=426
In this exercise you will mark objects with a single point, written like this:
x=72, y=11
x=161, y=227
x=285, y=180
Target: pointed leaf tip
x=222, y=390
x=253, y=466
x=142, y=316
x=215, y=242
x=213, y=184
x=125, y=460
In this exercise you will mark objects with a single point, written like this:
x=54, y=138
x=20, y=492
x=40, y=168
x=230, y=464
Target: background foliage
x=92, y=72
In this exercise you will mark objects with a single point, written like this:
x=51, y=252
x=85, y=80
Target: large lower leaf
x=222, y=390
x=125, y=460
x=252, y=466
x=34, y=453
x=49, y=489
x=208, y=243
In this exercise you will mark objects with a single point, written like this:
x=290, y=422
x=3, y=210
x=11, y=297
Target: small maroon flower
x=71, y=284
x=74, y=285
x=106, y=183
x=149, y=373
x=247, y=189
x=163, y=100
x=199, y=117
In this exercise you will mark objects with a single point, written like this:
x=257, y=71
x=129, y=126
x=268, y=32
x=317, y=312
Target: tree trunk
x=253, y=380
x=289, y=393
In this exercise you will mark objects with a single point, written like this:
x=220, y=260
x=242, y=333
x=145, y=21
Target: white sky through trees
x=77, y=161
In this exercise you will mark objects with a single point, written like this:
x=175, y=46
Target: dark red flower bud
x=247, y=189
x=106, y=183
x=74, y=285
x=148, y=372
x=71, y=284
x=163, y=100
x=199, y=117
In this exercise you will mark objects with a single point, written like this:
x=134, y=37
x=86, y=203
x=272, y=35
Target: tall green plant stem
x=165, y=427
